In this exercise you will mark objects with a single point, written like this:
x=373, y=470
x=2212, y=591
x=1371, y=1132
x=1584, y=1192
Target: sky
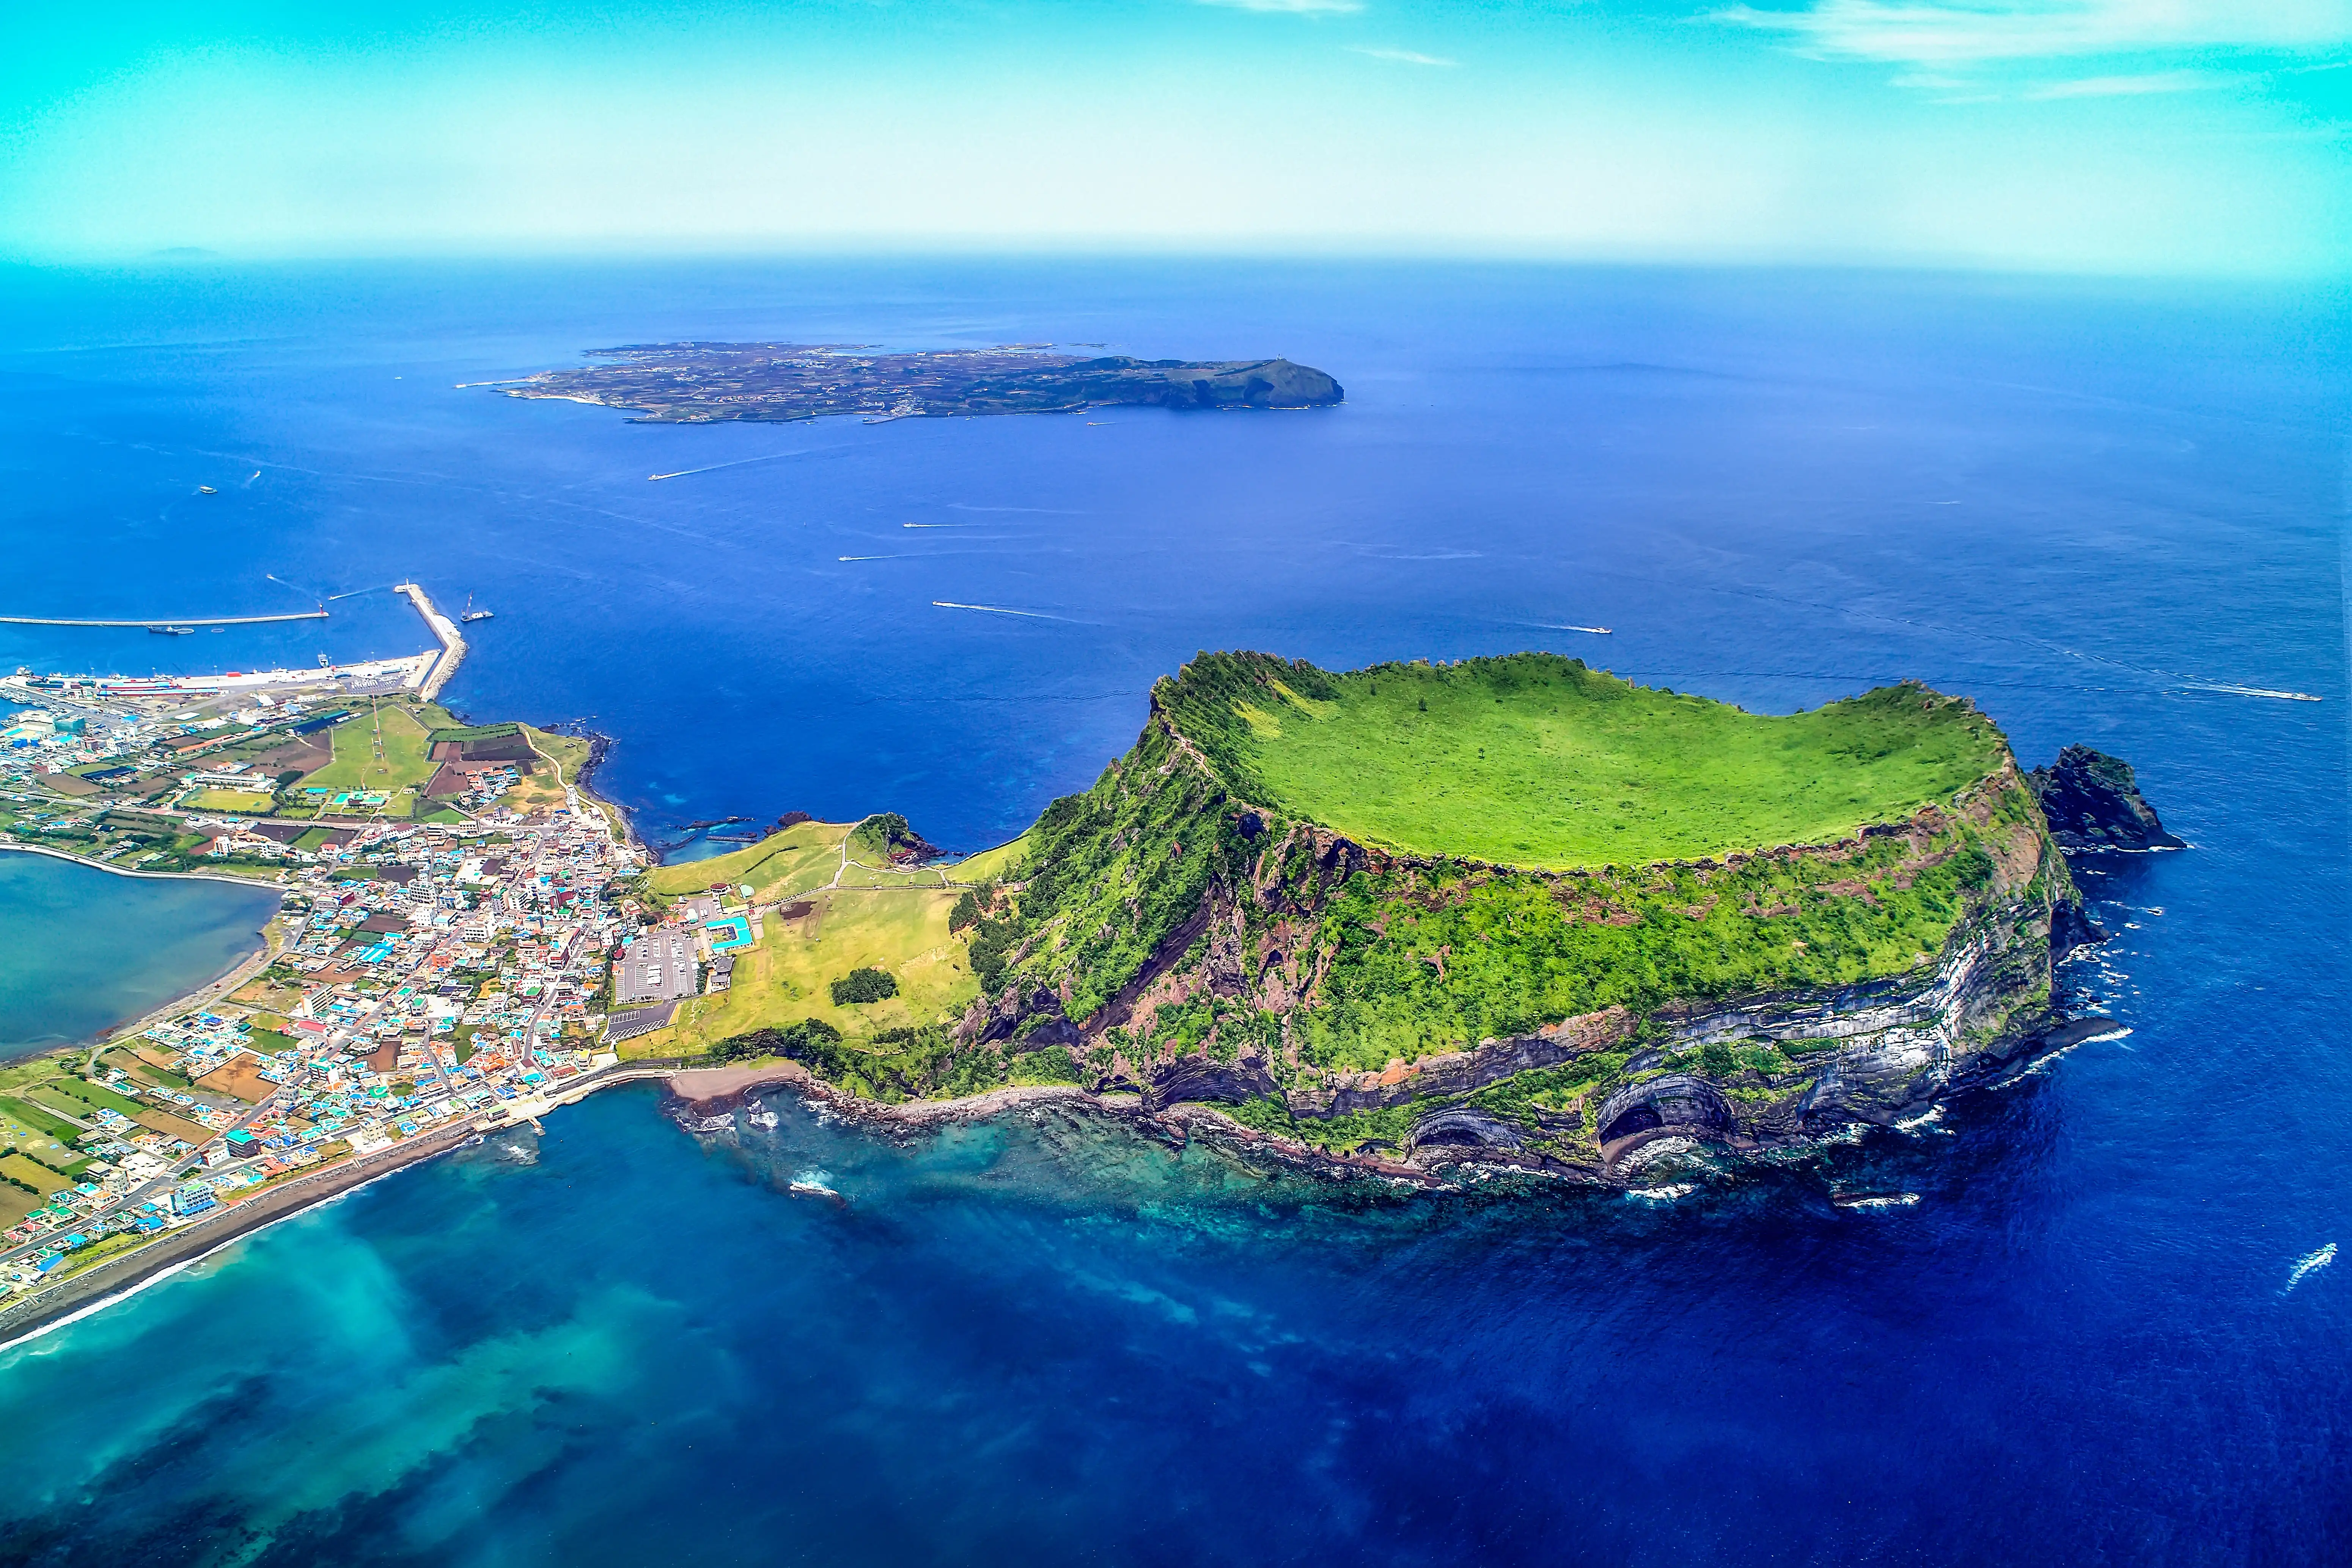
x=2163, y=136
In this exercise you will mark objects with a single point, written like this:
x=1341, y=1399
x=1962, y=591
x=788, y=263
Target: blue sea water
x=89, y=950
x=2106, y=511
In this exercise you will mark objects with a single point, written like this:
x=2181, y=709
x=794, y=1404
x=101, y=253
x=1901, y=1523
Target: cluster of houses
x=429, y=972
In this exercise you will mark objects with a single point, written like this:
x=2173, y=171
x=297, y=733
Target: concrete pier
x=431, y=678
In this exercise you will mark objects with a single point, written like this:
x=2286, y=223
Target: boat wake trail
x=2309, y=1263
x=1001, y=610
x=2253, y=692
x=739, y=463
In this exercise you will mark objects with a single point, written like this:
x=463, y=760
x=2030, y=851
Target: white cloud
x=1403, y=57
x=1296, y=7
x=2131, y=86
x=1958, y=32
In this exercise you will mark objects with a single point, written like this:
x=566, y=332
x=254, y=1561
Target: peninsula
x=1512, y=910
x=1507, y=912
x=701, y=383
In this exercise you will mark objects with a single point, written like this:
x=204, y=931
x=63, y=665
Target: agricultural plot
x=243, y=802
x=384, y=751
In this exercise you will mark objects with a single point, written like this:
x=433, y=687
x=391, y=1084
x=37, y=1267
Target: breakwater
x=164, y=620
x=430, y=678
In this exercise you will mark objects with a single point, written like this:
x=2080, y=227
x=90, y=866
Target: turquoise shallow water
x=88, y=949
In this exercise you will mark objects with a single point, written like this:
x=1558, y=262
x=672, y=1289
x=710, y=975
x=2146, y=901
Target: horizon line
x=1298, y=249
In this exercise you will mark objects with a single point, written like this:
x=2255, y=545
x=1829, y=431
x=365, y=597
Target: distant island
x=704, y=384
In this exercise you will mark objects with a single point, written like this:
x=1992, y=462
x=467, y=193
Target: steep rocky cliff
x=1184, y=930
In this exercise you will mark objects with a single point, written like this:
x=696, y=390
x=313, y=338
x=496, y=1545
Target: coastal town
x=442, y=962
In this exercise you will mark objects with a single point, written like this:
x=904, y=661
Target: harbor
x=425, y=673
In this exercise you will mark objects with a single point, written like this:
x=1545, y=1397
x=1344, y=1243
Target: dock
x=431, y=677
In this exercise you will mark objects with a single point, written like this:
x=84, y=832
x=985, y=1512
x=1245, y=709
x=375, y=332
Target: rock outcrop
x=2093, y=802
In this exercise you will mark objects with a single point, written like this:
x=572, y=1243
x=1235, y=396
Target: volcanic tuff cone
x=1519, y=907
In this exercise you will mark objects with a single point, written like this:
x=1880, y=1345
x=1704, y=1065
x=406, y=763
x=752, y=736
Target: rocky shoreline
x=1450, y=1140
x=1447, y=1142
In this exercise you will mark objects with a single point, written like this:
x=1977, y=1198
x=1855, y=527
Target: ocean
x=2073, y=1330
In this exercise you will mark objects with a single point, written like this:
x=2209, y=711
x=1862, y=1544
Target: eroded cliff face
x=1427, y=1011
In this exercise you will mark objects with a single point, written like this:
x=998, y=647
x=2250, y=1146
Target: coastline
x=695, y=1091
x=12, y=847
x=119, y=1278
x=709, y=1091
x=219, y=986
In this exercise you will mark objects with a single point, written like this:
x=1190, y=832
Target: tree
x=861, y=986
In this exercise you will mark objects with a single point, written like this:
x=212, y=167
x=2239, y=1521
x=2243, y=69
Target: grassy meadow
x=787, y=976
x=244, y=802
x=1539, y=761
x=404, y=765
x=991, y=865
x=802, y=857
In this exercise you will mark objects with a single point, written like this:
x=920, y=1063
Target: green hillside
x=783, y=865
x=1344, y=903
x=1539, y=761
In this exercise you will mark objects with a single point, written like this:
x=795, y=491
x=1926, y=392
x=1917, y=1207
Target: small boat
x=207, y=490
x=172, y=630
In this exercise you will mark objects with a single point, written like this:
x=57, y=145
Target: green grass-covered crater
x=1536, y=761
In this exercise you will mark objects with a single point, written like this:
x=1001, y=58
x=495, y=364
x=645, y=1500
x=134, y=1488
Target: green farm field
x=28, y=1135
x=247, y=802
x=1539, y=761
x=404, y=764
x=33, y=1173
